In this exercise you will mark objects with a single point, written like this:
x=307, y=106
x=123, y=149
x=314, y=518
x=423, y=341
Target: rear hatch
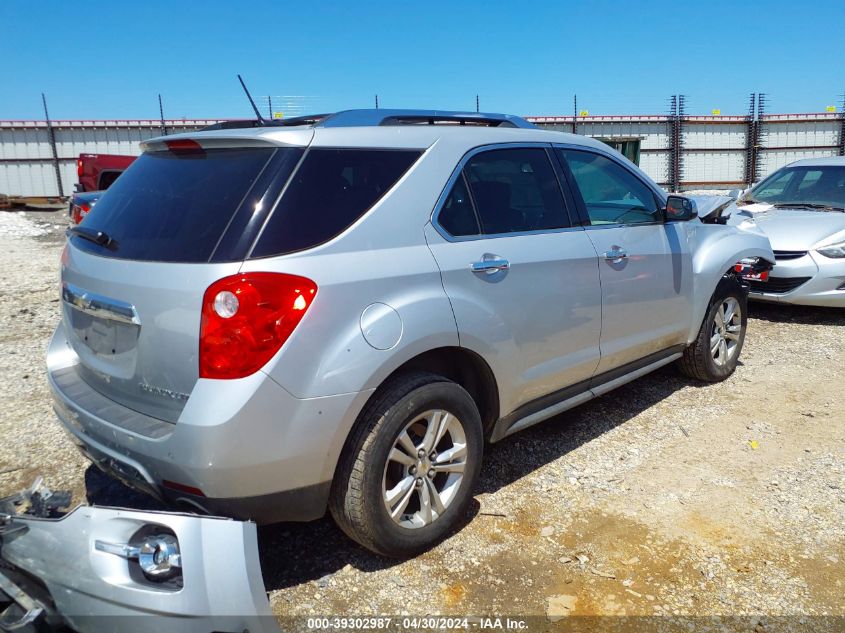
x=133, y=276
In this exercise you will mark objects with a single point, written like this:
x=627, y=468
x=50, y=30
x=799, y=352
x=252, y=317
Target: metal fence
x=713, y=152
x=680, y=152
x=32, y=153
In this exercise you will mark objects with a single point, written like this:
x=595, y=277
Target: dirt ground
x=669, y=502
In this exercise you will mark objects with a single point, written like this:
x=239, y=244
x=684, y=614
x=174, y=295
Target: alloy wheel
x=424, y=469
x=726, y=332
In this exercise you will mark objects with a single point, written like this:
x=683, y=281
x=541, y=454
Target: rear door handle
x=616, y=254
x=490, y=264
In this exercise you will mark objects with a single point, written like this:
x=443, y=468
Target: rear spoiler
x=232, y=137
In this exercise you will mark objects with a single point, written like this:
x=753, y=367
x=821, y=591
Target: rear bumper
x=251, y=448
x=825, y=285
x=54, y=567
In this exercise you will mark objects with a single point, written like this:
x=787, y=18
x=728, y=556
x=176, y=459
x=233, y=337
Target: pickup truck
x=96, y=172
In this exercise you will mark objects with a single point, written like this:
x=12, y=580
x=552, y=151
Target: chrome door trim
x=456, y=173
x=616, y=225
x=571, y=398
x=99, y=305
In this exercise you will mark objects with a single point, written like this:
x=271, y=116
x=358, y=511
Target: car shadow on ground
x=564, y=433
x=805, y=315
x=295, y=553
x=103, y=490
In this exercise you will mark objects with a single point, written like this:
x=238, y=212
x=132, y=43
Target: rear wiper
x=808, y=205
x=98, y=237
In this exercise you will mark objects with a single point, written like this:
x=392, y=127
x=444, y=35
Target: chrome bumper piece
x=52, y=573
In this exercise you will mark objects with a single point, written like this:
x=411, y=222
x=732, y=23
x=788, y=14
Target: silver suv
x=338, y=311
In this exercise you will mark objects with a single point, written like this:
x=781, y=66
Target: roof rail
x=368, y=118
x=376, y=117
x=232, y=125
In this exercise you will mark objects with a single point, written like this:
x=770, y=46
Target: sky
x=111, y=60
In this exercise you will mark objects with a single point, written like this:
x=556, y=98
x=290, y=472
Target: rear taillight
x=79, y=211
x=246, y=318
x=79, y=167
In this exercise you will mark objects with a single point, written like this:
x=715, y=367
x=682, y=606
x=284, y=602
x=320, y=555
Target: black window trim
x=235, y=248
x=250, y=251
x=458, y=172
x=463, y=177
x=586, y=223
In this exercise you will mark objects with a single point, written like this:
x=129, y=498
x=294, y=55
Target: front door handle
x=490, y=264
x=616, y=254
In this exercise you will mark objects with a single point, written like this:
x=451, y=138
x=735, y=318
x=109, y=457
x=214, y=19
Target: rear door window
x=331, y=189
x=174, y=207
x=516, y=190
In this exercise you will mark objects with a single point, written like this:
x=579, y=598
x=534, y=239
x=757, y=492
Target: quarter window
x=328, y=193
x=611, y=193
x=457, y=216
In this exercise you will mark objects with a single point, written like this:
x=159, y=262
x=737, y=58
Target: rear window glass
x=174, y=207
x=331, y=189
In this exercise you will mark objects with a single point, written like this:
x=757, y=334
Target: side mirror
x=680, y=209
x=734, y=194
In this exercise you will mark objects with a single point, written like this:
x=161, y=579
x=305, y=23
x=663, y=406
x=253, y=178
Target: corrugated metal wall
x=787, y=138
x=26, y=157
x=715, y=149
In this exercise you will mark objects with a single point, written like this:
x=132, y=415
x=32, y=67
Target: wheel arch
x=458, y=364
x=466, y=368
x=714, y=258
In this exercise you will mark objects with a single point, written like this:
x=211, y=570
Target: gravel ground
x=663, y=498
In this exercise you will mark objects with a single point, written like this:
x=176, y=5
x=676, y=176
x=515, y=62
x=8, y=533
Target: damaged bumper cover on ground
x=98, y=569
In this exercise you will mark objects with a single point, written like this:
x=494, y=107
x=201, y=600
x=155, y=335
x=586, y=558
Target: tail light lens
x=79, y=167
x=79, y=211
x=247, y=318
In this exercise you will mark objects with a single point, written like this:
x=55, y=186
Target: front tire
x=408, y=471
x=714, y=354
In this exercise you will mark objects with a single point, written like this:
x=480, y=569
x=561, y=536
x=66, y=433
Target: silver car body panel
x=796, y=231
x=251, y=427
x=95, y=590
x=503, y=430
x=506, y=317
x=147, y=363
x=391, y=287
x=715, y=250
x=645, y=298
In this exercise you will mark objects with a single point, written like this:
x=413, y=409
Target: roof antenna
x=252, y=103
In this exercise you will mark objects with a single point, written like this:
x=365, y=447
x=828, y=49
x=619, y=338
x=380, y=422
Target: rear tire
x=406, y=476
x=714, y=354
